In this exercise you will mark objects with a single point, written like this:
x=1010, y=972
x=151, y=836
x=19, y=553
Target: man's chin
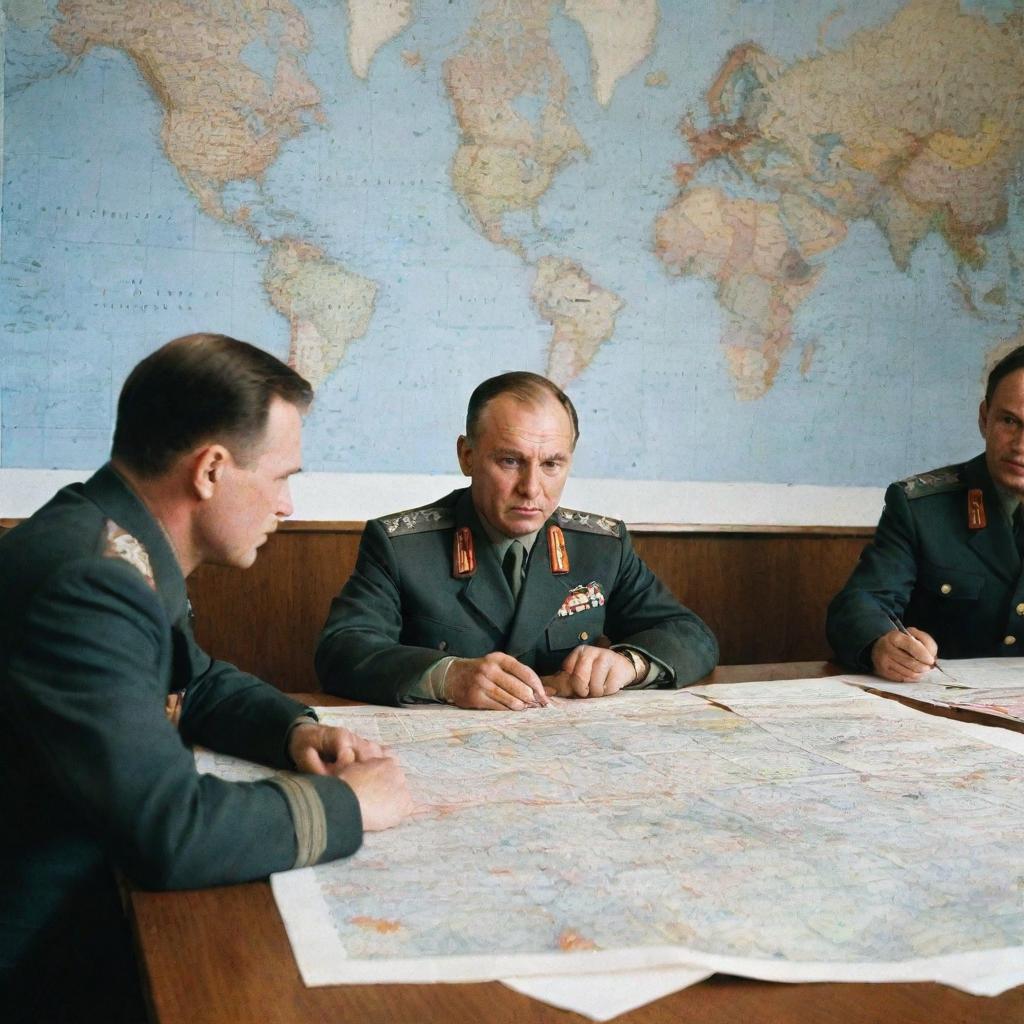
x=520, y=525
x=241, y=560
x=1011, y=479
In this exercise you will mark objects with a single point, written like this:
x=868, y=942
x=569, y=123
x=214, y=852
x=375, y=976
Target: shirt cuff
x=308, y=716
x=429, y=688
x=655, y=673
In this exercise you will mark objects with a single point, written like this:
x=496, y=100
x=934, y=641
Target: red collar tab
x=557, y=552
x=976, y=509
x=463, y=554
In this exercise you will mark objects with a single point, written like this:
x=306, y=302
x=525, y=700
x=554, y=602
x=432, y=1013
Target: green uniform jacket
x=928, y=567
x=402, y=610
x=94, y=636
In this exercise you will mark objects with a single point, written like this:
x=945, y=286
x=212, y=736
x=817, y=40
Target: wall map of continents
x=765, y=242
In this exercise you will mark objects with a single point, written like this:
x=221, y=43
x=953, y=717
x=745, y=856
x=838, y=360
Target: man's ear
x=464, y=450
x=208, y=465
x=983, y=417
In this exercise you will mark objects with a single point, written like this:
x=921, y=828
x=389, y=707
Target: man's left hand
x=591, y=672
x=329, y=750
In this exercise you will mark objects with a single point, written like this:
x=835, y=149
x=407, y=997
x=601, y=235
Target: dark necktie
x=1018, y=529
x=512, y=567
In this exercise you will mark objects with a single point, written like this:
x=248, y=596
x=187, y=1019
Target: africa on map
x=740, y=231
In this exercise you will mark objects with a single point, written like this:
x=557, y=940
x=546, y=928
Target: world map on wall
x=778, y=242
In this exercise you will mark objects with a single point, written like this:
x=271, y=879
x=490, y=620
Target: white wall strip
x=359, y=496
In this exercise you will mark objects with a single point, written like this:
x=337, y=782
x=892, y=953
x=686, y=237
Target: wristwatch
x=640, y=664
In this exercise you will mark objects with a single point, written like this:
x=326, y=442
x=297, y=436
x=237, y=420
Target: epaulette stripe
x=935, y=481
x=591, y=522
x=418, y=520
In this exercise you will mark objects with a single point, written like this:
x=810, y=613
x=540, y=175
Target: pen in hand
x=897, y=624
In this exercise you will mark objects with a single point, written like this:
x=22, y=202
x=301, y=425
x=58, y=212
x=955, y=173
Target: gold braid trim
x=308, y=817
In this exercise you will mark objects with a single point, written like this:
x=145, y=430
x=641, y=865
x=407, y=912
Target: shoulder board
x=935, y=481
x=418, y=520
x=119, y=543
x=588, y=522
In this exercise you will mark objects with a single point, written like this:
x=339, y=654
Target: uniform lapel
x=994, y=543
x=542, y=595
x=486, y=590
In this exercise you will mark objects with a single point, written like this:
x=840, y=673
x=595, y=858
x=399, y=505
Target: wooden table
x=215, y=956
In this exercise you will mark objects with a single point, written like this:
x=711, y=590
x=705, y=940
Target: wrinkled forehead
x=510, y=421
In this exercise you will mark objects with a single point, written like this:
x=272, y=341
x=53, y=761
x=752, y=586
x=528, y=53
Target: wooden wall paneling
x=764, y=595
x=266, y=619
x=763, y=591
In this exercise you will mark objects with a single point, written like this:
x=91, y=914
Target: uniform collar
x=501, y=542
x=1007, y=499
x=994, y=543
x=976, y=474
x=111, y=493
x=542, y=593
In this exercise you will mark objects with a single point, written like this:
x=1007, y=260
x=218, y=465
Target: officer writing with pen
x=943, y=575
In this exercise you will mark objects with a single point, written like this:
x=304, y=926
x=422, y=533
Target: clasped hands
x=371, y=770
x=498, y=681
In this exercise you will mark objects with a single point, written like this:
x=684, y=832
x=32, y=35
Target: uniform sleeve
x=879, y=587
x=86, y=693
x=231, y=711
x=642, y=613
x=360, y=654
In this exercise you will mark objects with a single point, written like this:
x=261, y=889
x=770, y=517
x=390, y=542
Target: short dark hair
x=1011, y=362
x=199, y=388
x=526, y=387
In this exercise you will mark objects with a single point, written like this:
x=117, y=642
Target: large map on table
x=747, y=228
x=789, y=831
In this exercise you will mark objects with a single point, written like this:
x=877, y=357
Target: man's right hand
x=904, y=657
x=383, y=794
x=495, y=682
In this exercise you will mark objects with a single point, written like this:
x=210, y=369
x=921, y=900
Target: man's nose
x=285, y=506
x=529, y=480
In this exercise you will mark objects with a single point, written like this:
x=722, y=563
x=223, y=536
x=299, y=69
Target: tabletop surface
x=221, y=955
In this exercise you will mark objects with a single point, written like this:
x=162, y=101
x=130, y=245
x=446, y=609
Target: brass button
x=946, y=588
x=1009, y=640
x=584, y=635
x=1020, y=608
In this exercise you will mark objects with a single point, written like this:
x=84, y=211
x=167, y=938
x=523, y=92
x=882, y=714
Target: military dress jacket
x=944, y=560
x=96, y=648
x=403, y=609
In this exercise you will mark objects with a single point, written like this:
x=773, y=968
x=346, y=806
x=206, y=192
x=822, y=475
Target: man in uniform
x=943, y=574
x=103, y=689
x=494, y=596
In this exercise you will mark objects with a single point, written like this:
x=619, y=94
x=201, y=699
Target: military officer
x=945, y=563
x=103, y=689
x=496, y=597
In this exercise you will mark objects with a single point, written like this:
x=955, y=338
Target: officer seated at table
x=495, y=596
x=942, y=576
x=103, y=689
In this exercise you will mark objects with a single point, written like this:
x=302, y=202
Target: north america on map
x=739, y=226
